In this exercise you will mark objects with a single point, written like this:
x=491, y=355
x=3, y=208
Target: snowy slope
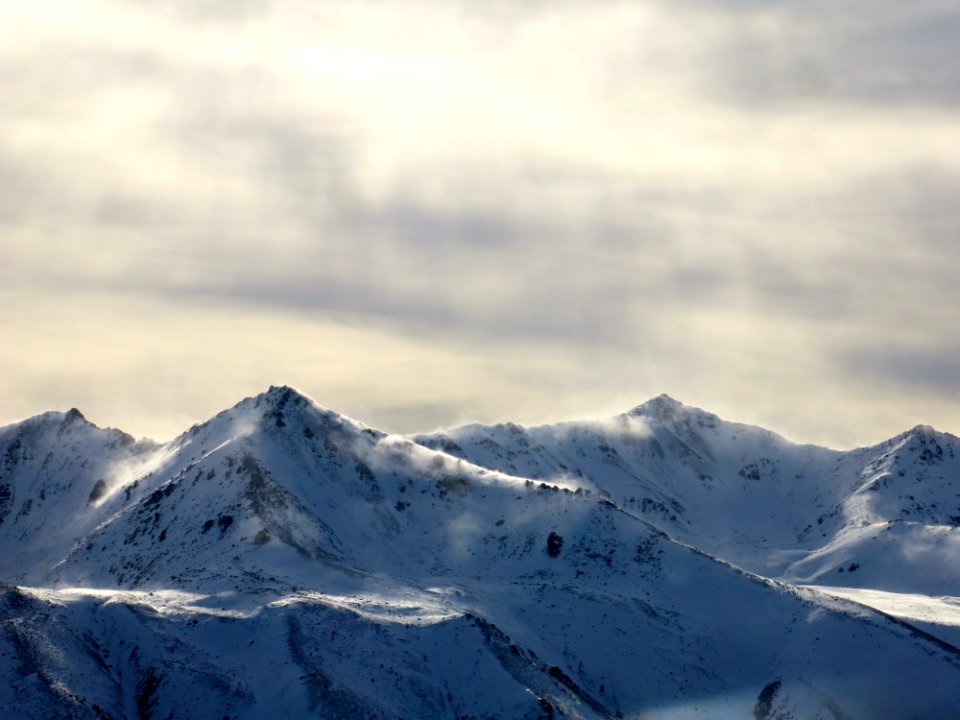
x=60, y=477
x=284, y=556
x=891, y=513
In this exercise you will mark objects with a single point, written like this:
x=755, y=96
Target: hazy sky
x=422, y=213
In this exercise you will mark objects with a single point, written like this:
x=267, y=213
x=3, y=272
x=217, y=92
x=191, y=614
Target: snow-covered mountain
x=281, y=559
x=884, y=517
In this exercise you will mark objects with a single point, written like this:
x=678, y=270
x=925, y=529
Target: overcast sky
x=430, y=212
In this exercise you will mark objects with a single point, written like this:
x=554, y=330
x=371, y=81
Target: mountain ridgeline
x=662, y=563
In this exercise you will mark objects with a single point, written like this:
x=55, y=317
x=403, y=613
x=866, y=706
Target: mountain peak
x=279, y=402
x=53, y=419
x=919, y=435
x=279, y=397
x=73, y=415
x=283, y=394
x=281, y=405
x=662, y=407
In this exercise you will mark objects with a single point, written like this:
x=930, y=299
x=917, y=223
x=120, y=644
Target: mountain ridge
x=282, y=553
x=663, y=400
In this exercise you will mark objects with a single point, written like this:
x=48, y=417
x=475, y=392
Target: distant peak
x=278, y=401
x=56, y=418
x=926, y=433
x=283, y=393
x=278, y=397
x=661, y=407
x=74, y=415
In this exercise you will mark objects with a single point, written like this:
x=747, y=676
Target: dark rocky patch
x=554, y=544
x=98, y=491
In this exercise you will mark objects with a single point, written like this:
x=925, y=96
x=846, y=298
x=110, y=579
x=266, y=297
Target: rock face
x=281, y=559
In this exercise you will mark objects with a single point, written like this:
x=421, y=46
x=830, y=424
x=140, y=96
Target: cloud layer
x=427, y=212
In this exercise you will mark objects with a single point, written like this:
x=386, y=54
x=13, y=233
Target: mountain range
x=282, y=560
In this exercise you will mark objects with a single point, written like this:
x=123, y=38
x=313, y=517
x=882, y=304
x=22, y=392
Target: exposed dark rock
x=98, y=491
x=554, y=544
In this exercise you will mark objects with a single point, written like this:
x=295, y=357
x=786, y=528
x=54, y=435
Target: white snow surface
x=281, y=559
x=939, y=616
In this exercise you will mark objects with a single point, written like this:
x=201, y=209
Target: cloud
x=935, y=366
x=787, y=54
x=732, y=202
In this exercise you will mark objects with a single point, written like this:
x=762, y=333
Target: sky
x=422, y=213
